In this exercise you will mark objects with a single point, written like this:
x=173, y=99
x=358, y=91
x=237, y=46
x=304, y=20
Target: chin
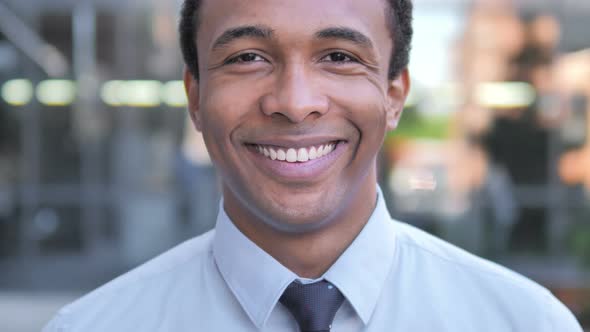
x=301, y=218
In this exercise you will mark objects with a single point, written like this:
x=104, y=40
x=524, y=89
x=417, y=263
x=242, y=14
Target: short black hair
x=400, y=26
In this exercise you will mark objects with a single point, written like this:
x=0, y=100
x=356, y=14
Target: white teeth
x=313, y=153
x=293, y=155
x=321, y=151
x=302, y=155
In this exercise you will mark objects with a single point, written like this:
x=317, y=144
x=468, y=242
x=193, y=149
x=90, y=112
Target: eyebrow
x=347, y=34
x=248, y=31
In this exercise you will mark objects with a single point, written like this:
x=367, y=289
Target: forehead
x=294, y=18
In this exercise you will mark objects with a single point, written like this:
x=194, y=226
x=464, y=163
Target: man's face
x=294, y=102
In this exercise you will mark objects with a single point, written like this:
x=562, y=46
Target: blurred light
x=17, y=92
x=174, y=95
x=505, y=95
x=56, y=92
x=141, y=93
x=422, y=181
x=111, y=93
x=406, y=181
x=412, y=99
x=136, y=93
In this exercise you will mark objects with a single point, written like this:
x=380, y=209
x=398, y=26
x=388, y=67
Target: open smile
x=294, y=155
x=297, y=162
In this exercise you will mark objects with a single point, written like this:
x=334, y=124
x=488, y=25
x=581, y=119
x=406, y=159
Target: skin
x=292, y=86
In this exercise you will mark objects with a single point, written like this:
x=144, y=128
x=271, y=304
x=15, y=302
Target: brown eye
x=245, y=58
x=248, y=57
x=339, y=57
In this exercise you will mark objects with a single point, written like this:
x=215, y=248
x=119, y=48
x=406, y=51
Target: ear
x=397, y=93
x=191, y=87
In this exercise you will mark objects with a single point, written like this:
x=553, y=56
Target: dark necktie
x=313, y=305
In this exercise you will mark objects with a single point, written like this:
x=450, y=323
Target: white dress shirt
x=394, y=277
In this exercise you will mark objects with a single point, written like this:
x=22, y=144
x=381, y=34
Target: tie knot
x=312, y=305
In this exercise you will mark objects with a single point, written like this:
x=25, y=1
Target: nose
x=296, y=95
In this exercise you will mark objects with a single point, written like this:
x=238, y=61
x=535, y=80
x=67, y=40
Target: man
x=294, y=99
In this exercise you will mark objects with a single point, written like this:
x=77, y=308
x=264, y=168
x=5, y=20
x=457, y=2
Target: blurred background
x=100, y=169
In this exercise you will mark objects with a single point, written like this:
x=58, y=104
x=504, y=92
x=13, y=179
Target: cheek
x=223, y=109
x=221, y=113
x=365, y=106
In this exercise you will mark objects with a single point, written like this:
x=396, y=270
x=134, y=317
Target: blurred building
x=96, y=161
x=494, y=156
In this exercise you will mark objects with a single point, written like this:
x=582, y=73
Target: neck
x=311, y=254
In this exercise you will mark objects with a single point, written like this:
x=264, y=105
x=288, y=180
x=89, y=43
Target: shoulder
x=470, y=284
x=138, y=290
x=432, y=250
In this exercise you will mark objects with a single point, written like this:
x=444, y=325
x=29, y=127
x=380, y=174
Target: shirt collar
x=254, y=277
x=361, y=271
x=258, y=280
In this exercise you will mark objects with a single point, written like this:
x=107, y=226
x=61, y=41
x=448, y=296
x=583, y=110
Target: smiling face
x=294, y=101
